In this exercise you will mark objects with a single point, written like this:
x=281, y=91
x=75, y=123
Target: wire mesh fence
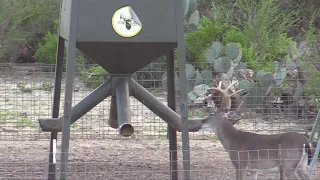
x=27, y=95
x=129, y=159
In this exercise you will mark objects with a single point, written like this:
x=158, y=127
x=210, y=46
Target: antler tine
x=225, y=91
x=231, y=85
x=218, y=88
x=233, y=92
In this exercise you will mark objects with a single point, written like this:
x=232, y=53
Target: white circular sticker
x=125, y=22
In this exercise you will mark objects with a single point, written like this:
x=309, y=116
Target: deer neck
x=227, y=135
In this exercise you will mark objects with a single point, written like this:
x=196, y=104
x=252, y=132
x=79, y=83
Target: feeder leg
x=55, y=108
x=172, y=133
x=183, y=89
x=113, y=117
x=71, y=55
x=123, y=109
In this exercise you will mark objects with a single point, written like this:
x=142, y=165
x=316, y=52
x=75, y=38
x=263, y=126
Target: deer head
x=213, y=121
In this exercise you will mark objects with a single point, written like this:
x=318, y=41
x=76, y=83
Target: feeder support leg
x=172, y=133
x=71, y=55
x=55, y=108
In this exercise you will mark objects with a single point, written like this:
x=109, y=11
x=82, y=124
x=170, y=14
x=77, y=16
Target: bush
x=93, y=75
x=46, y=51
x=197, y=42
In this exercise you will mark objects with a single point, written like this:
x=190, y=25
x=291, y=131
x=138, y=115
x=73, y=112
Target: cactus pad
x=245, y=85
x=186, y=5
x=190, y=71
x=222, y=64
x=280, y=76
x=200, y=90
x=232, y=51
x=267, y=80
x=207, y=76
x=193, y=5
x=199, y=78
x=260, y=74
x=213, y=52
x=191, y=96
x=194, y=18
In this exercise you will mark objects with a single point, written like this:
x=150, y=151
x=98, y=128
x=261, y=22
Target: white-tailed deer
x=256, y=152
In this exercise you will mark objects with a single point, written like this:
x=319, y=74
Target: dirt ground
x=119, y=159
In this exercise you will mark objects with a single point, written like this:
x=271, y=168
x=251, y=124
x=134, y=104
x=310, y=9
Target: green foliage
x=265, y=24
x=46, y=52
x=93, y=75
x=197, y=42
x=29, y=20
x=234, y=34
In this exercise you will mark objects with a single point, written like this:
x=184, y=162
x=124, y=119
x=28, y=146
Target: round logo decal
x=126, y=23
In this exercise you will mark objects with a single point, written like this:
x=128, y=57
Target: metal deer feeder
x=122, y=36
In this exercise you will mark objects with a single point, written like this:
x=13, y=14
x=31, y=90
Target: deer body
x=260, y=153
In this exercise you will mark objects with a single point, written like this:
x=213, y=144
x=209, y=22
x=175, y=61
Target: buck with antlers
x=256, y=152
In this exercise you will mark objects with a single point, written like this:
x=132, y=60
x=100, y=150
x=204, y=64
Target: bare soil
x=118, y=160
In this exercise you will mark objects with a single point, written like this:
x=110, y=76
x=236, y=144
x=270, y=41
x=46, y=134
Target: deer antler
x=226, y=102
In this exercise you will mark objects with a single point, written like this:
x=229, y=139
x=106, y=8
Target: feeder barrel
x=163, y=111
x=123, y=109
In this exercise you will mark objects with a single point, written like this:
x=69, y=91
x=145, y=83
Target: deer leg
x=253, y=175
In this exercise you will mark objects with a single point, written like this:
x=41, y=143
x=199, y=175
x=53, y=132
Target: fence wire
x=129, y=159
x=26, y=92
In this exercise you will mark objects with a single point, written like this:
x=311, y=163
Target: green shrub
x=46, y=51
x=93, y=75
x=197, y=42
x=265, y=24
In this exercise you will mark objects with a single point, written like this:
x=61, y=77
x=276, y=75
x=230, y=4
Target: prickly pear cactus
x=258, y=92
x=245, y=85
x=232, y=51
x=200, y=90
x=267, y=80
x=186, y=4
x=280, y=76
x=222, y=64
x=193, y=5
x=214, y=52
x=193, y=22
x=260, y=74
x=198, y=93
x=199, y=78
x=189, y=6
x=207, y=76
x=191, y=97
x=191, y=71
